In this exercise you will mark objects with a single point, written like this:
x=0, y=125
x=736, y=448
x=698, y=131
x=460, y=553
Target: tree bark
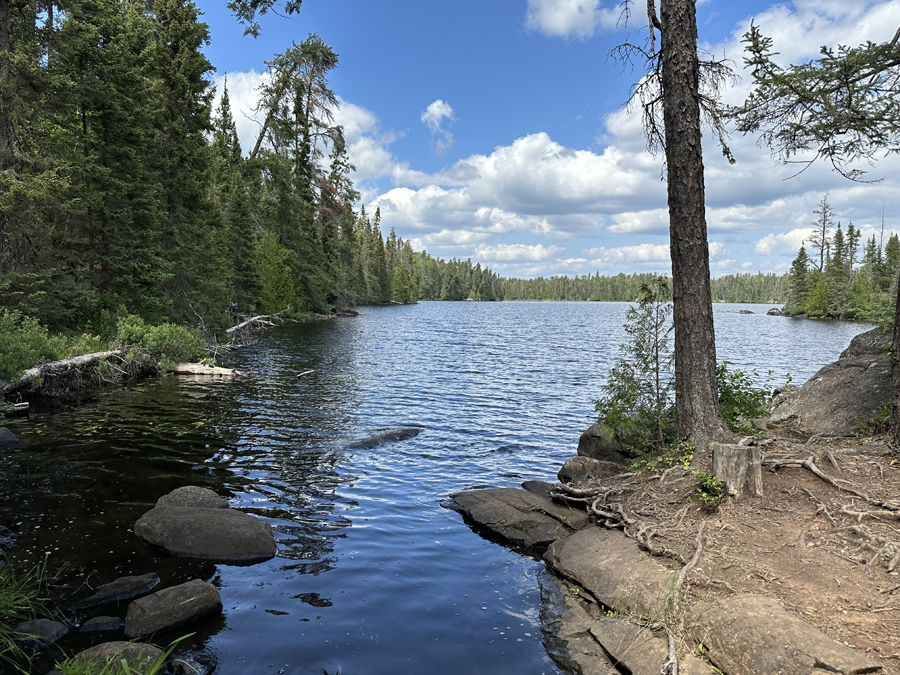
x=894, y=433
x=740, y=468
x=697, y=414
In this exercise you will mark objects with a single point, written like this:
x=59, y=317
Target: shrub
x=24, y=342
x=165, y=341
x=740, y=399
x=710, y=490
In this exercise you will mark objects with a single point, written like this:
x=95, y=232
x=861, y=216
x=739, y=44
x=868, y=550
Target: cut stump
x=740, y=468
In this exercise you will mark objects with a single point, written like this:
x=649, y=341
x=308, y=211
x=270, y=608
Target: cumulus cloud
x=782, y=242
x=570, y=18
x=515, y=252
x=436, y=116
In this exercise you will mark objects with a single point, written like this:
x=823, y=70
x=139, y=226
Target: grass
x=144, y=666
x=22, y=596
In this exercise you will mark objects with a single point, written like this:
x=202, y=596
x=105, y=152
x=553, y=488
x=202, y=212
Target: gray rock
x=192, y=496
x=837, y=397
x=39, y=633
x=538, y=487
x=520, y=516
x=873, y=341
x=754, y=635
x=775, y=312
x=7, y=538
x=6, y=436
x=186, y=665
x=220, y=535
x=637, y=649
x=613, y=570
x=171, y=607
x=139, y=656
x=124, y=588
x=599, y=443
x=385, y=436
x=102, y=623
x=745, y=311
x=578, y=468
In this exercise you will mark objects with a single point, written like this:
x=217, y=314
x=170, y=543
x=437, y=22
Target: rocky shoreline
x=613, y=603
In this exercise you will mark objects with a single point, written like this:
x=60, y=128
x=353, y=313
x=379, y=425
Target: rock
x=7, y=538
x=39, y=633
x=567, y=631
x=873, y=341
x=186, y=665
x=837, y=397
x=383, y=437
x=520, y=516
x=193, y=497
x=636, y=649
x=6, y=436
x=599, y=443
x=775, y=312
x=754, y=635
x=538, y=487
x=745, y=311
x=102, y=623
x=578, y=468
x=217, y=534
x=612, y=569
x=171, y=607
x=124, y=588
x=139, y=656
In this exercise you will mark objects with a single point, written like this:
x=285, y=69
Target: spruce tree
x=800, y=282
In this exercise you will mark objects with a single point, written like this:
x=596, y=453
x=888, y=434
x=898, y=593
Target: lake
x=374, y=574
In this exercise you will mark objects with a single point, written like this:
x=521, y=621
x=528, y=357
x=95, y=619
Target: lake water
x=374, y=575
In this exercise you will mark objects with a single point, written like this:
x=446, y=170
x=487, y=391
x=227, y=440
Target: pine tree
x=800, y=282
x=820, y=238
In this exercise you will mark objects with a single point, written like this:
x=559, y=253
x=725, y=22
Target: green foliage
x=146, y=666
x=636, y=403
x=740, y=398
x=24, y=342
x=710, y=490
x=176, y=343
x=22, y=596
x=876, y=423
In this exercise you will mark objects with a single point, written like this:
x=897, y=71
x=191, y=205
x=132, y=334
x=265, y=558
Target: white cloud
x=243, y=95
x=783, y=242
x=515, y=252
x=570, y=18
x=433, y=118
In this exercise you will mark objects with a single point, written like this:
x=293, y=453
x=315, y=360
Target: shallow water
x=373, y=574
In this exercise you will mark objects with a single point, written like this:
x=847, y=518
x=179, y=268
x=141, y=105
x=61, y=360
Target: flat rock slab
x=102, y=623
x=192, y=496
x=171, y=607
x=139, y=656
x=219, y=535
x=39, y=633
x=520, y=516
x=640, y=651
x=754, y=635
x=124, y=588
x=612, y=568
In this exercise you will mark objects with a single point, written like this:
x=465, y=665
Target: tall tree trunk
x=697, y=414
x=5, y=91
x=894, y=433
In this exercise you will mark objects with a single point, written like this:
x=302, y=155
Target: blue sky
x=497, y=131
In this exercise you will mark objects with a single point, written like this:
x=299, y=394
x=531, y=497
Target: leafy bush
x=740, y=399
x=24, y=342
x=710, y=490
x=168, y=340
x=876, y=423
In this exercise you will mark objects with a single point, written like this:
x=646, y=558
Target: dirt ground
x=825, y=547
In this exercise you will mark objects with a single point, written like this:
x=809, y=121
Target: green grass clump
x=22, y=596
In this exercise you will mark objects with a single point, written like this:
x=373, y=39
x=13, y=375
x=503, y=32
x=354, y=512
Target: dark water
x=373, y=574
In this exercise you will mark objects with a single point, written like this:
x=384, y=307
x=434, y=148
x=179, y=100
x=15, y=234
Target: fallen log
x=261, y=319
x=55, y=368
x=210, y=371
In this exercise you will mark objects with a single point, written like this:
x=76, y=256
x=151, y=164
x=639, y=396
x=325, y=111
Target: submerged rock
x=124, y=588
x=102, y=623
x=6, y=436
x=520, y=516
x=775, y=312
x=7, y=538
x=171, y=607
x=139, y=656
x=832, y=401
x=383, y=437
x=39, y=633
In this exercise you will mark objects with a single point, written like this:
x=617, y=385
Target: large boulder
x=754, y=635
x=171, y=607
x=522, y=517
x=220, y=535
x=613, y=570
x=39, y=633
x=139, y=656
x=6, y=436
x=598, y=442
x=833, y=401
x=578, y=468
x=194, y=522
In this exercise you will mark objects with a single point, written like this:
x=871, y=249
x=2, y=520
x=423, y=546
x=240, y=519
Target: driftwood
x=305, y=372
x=200, y=369
x=261, y=319
x=739, y=467
x=55, y=368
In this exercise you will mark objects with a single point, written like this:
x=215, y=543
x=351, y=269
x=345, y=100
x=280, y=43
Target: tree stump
x=739, y=467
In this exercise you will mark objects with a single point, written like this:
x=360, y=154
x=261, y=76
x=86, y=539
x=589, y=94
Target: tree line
x=121, y=189
x=844, y=278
